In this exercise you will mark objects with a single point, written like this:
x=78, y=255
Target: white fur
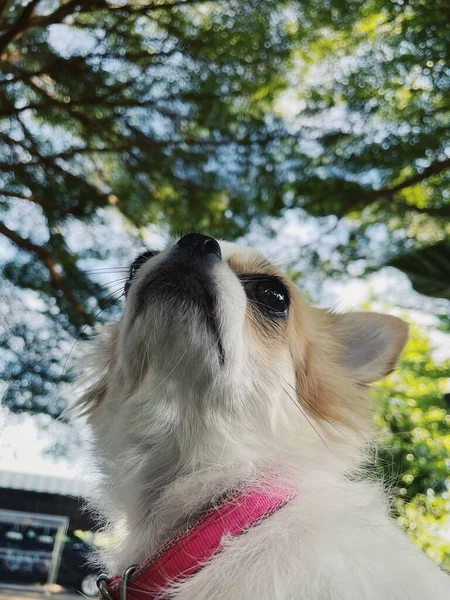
x=173, y=430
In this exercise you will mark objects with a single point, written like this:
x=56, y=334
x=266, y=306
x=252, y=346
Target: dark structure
x=45, y=495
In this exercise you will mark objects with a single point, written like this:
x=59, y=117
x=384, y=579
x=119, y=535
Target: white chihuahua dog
x=228, y=413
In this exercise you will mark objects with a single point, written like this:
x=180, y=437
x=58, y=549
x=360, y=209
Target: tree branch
x=162, y=6
x=434, y=169
x=387, y=194
x=47, y=206
x=87, y=6
x=18, y=167
x=19, y=26
x=53, y=267
x=12, y=194
x=442, y=212
x=3, y=4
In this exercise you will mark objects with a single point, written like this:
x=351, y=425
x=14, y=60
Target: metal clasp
x=125, y=577
x=102, y=584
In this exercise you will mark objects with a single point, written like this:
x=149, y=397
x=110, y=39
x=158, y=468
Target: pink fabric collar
x=186, y=552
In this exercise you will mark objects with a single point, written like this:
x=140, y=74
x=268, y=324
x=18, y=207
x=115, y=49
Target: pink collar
x=187, y=551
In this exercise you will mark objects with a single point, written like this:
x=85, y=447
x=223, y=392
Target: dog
x=224, y=407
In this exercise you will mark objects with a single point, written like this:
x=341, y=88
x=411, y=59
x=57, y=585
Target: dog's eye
x=136, y=265
x=267, y=293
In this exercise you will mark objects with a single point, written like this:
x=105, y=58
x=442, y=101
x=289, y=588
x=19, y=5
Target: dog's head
x=218, y=356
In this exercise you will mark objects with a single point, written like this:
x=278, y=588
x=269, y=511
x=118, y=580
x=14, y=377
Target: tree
x=428, y=269
x=414, y=436
x=133, y=105
x=211, y=116
x=137, y=112
x=374, y=89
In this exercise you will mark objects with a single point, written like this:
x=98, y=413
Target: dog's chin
x=177, y=309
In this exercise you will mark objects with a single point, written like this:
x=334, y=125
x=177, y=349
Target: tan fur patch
x=252, y=263
x=323, y=387
x=325, y=390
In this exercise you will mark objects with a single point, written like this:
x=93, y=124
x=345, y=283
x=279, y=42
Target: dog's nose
x=199, y=244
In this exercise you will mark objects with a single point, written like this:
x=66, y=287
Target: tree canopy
x=132, y=105
x=135, y=105
x=210, y=116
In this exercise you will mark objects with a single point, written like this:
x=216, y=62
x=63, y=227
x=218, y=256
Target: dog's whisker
x=306, y=417
x=115, y=284
x=108, y=270
x=303, y=399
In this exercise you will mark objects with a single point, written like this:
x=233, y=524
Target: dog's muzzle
x=185, y=280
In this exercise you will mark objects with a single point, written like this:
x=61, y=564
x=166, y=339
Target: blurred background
x=317, y=132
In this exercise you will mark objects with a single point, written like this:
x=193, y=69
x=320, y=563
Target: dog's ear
x=369, y=343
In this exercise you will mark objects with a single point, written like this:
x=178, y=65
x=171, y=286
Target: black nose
x=198, y=244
